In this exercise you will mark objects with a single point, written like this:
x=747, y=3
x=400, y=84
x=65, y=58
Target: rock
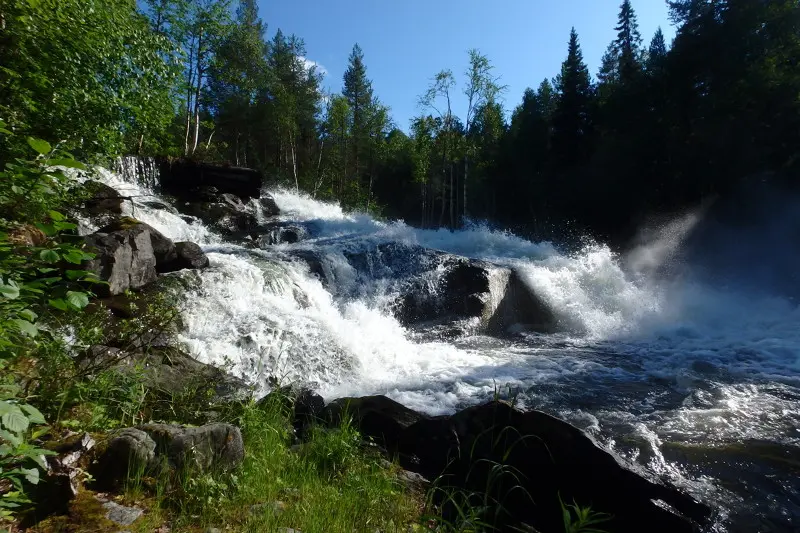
x=413, y=481
x=129, y=451
x=124, y=258
x=280, y=233
x=307, y=406
x=378, y=417
x=546, y=458
x=226, y=213
x=121, y=515
x=101, y=199
x=60, y=485
x=268, y=206
x=163, y=247
x=209, y=446
x=213, y=530
x=187, y=255
x=186, y=179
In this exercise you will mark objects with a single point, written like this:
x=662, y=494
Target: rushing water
x=700, y=384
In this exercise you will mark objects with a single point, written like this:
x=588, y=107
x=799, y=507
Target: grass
x=330, y=483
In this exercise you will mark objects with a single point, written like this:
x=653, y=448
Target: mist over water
x=674, y=370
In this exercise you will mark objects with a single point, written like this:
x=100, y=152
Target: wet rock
x=188, y=255
x=280, y=233
x=378, y=417
x=268, y=205
x=226, y=213
x=212, y=445
x=546, y=458
x=306, y=405
x=121, y=515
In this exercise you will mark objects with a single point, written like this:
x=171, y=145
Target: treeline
x=658, y=128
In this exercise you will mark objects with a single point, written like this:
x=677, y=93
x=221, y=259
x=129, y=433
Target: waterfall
x=640, y=361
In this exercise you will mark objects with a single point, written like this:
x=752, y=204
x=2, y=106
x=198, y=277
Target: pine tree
x=657, y=51
x=572, y=124
x=628, y=43
x=358, y=91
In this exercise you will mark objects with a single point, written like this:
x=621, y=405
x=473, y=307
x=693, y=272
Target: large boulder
x=123, y=257
x=492, y=447
x=377, y=417
x=186, y=179
x=280, y=233
x=129, y=254
x=151, y=447
x=205, y=447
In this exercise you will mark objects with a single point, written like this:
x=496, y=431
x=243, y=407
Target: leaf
x=34, y=415
x=10, y=292
x=75, y=275
x=47, y=229
x=28, y=315
x=59, y=304
x=41, y=147
x=69, y=163
x=15, y=422
x=14, y=440
x=74, y=256
x=56, y=216
x=31, y=474
x=78, y=299
x=7, y=407
x=49, y=256
x=26, y=327
x=64, y=226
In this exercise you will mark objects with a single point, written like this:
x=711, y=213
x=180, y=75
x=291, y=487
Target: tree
x=572, y=121
x=358, y=91
x=657, y=52
x=85, y=73
x=239, y=69
x=628, y=43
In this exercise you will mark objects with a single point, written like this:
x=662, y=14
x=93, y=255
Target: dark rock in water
x=101, y=199
x=280, y=233
x=190, y=180
x=496, y=446
x=315, y=262
x=124, y=258
x=268, y=205
x=187, y=255
x=379, y=417
x=226, y=213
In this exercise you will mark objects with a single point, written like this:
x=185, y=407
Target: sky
x=406, y=42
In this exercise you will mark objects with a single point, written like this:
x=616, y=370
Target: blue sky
x=406, y=42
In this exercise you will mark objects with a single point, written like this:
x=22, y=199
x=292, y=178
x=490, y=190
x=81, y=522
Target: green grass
x=330, y=483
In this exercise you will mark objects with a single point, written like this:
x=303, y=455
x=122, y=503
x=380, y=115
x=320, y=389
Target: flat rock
x=121, y=515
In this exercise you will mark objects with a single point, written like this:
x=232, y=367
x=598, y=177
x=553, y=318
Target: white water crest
x=638, y=358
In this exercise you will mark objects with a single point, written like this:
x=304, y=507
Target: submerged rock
x=226, y=213
x=280, y=233
x=268, y=205
x=188, y=255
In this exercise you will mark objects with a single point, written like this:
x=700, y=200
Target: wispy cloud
x=310, y=63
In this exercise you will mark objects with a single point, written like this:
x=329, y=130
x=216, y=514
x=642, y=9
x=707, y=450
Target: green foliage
x=579, y=519
x=87, y=73
x=20, y=460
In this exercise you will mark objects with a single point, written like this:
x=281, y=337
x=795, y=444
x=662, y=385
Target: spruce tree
x=358, y=92
x=656, y=52
x=572, y=123
x=628, y=43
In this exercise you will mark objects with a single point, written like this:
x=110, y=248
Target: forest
x=661, y=127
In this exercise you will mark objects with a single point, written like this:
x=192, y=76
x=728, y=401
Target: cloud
x=308, y=63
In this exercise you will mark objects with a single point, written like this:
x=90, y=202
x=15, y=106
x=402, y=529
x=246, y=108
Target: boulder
x=128, y=451
x=187, y=255
x=377, y=417
x=306, y=405
x=268, y=206
x=100, y=198
x=492, y=446
x=186, y=179
x=226, y=213
x=124, y=258
x=280, y=233
x=204, y=447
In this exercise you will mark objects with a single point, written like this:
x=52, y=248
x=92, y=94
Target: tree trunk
x=189, y=87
